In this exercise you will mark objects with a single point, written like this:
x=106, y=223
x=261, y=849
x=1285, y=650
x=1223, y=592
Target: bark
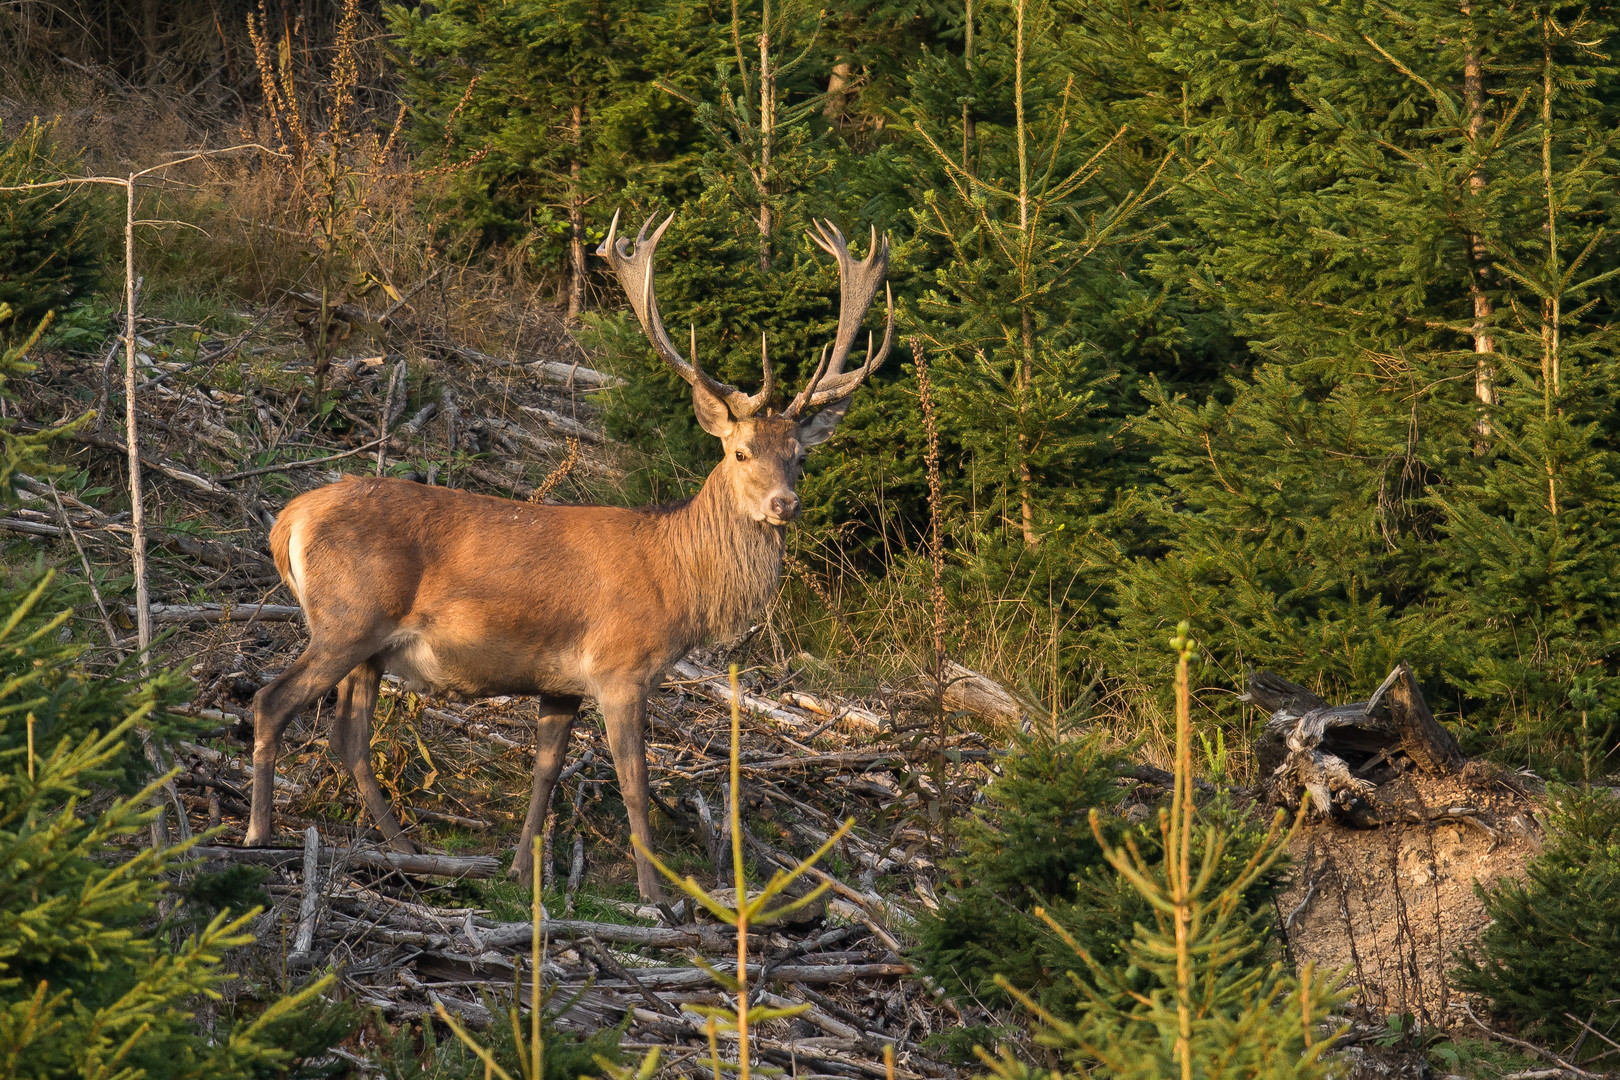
x=149, y=34
x=1484, y=342
x=968, y=126
x=838, y=82
x=189, y=613
x=767, y=136
x=576, y=220
x=1431, y=747
x=968, y=691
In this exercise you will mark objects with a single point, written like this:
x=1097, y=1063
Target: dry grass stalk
x=936, y=548
x=559, y=474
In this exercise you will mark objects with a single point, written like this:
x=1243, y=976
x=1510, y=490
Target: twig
x=89, y=576
x=288, y=466
x=210, y=357
x=1310, y=891
x=624, y=973
x=1541, y=1052
x=1592, y=1030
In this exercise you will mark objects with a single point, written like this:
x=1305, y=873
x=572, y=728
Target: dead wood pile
x=404, y=942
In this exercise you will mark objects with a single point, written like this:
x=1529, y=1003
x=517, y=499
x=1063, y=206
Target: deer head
x=764, y=449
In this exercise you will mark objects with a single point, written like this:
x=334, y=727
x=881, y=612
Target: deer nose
x=784, y=507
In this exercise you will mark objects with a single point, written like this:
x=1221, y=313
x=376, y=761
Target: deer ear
x=819, y=428
x=712, y=414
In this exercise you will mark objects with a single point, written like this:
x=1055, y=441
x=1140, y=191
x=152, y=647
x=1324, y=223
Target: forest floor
x=229, y=435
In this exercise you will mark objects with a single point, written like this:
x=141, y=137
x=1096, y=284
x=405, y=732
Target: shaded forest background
x=1292, y=321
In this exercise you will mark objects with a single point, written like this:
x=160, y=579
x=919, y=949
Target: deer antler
x=858, y=284
x=635, y=273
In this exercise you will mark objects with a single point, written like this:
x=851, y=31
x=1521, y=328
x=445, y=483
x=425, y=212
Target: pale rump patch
x=295, y=560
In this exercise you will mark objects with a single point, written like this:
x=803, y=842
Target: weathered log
x=691, y=978
x=706, y=938
x=29, y=528
x=1331, y=750
x=309, y=906
x=717, y=688
x=968, y=691
x=187, y=613
x=834, y=710
x=572, y=374
x=221, y=556
x=458, y=866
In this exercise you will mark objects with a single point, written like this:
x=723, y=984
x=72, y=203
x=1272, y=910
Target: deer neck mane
x=731, y=562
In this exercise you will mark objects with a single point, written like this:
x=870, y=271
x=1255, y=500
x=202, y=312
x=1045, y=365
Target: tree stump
x=1341, y=754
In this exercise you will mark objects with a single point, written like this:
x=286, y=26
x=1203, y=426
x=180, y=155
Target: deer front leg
x=626, y=720
x=556, y=722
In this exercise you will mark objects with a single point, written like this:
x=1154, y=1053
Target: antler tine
x=837, y=387
x=768, y=377
x=635, y=274
x=809, y=390
x=858, y=285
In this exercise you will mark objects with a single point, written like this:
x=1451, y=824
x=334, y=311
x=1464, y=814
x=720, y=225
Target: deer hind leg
x=626, y=721
x=351, y=738
x=550, y=750
x=300, y=686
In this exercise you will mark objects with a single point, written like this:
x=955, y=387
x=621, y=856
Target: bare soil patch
x=1392, y=906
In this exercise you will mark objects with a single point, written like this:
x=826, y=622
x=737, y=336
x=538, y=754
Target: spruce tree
x=546, y=115
x=1186, y=998
x=91, y=983
x=1548, y=952
x=50, y=247
x=1402, y=208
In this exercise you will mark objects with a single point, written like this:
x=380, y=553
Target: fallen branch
x=167, y=468
x=188, y=613
x=696, y=936
x=290, y=465
x=456, y=866
x=1540, y=1052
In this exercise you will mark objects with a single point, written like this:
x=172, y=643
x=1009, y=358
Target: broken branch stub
x=1430, y=746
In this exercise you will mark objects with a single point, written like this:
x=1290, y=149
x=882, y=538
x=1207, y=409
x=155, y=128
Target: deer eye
x=741, y=456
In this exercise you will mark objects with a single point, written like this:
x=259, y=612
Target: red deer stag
x=475, y=596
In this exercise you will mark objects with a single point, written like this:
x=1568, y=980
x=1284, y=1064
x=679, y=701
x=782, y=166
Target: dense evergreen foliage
x=1187, y=990
x=1030, y=848
x=51, y=245
x=1549, y=949
x=1295, y=322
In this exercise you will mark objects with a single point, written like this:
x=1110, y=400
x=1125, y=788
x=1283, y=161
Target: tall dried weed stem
x=332, y=171
x=936, y=510
x=558, y=474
